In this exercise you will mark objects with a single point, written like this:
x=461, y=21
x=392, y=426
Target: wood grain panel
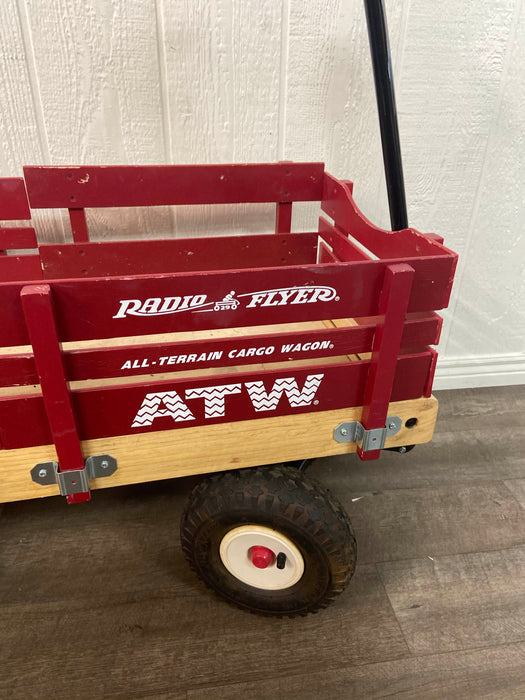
x=459, y=602
x=517, y=489
x=451, y=519
x=150, y=636
x=156, y=82
x=491, y=674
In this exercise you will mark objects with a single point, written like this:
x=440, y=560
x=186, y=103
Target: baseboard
x=478, y=371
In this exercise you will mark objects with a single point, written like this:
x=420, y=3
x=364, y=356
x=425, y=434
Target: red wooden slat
x=19, y=268
x=342, y=246
x=177, y=255
x=139, y=408
x=387, y=341
x=79, y=227
x=283, y=217
x=13, y=199
x=431, y=372
x=155, y=185
x=326, y=255
x=18, y=370
x=38, y=311
x=12, y=238
x=434, y=237
x=133, y=360
x=338, y=203
x=106, y=308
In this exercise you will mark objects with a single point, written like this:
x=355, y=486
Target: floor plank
x=517, y=489
x=96, y=600
x=476, y=439
x=485, y=674
x=106, y=583
x=459, y=602
x=410, y=523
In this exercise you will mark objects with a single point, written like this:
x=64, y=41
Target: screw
x=343, y=431
x=104, y=464
x=391, y=426
x=42, y=473
x=402, y=450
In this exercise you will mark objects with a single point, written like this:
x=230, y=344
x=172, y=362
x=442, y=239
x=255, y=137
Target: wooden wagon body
x=130, y=361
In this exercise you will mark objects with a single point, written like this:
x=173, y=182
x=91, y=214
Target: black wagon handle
x=386, y=106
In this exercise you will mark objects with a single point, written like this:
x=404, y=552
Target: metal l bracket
x=75, y=480
x=353, y=431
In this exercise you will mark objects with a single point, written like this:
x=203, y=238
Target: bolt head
x=391, y=426
x=402, y=450
x=343, y=431
x=104, y=464
x=42, y=473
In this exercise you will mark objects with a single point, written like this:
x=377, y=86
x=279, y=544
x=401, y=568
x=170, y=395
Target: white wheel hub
x=237, y=555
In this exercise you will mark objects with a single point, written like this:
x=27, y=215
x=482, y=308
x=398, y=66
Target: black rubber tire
x=285, y=500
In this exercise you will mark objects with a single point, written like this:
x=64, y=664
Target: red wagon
x=124, y=362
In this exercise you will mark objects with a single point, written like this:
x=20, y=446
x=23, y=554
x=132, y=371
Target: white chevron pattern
x=150, y=409
x=214, y=406
x=264, y=401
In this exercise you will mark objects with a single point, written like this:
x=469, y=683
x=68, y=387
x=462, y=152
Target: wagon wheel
x=269, y=540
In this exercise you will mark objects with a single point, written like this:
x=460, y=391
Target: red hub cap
x=261, y=557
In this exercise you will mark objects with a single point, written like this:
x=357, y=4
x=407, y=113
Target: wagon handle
x=386, y=106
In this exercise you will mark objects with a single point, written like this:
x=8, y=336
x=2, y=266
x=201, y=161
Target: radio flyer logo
x=199, y=303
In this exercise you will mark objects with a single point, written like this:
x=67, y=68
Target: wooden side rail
x=339, y=204
x=136, y=305
x=15, y=207
x=132, y=409
x=158, y=185
x=114, y=258
x=175, y=353
x=79, y=187
x=13, y=199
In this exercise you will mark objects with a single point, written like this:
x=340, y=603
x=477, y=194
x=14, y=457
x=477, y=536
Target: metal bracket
x=76, y=480
x=366, y=440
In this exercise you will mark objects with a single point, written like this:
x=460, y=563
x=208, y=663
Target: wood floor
x=96, y=600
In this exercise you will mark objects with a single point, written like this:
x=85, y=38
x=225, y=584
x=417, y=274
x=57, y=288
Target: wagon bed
x=184, y=356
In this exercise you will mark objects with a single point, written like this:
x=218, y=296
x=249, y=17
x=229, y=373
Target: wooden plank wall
x=109, y=81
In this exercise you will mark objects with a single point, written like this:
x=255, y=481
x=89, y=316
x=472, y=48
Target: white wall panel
x=98, y=76
x=223, y=66
x=191, y=81
x=449, y=96
x=23, y=137
x=330, y=108
x=20, y=137
x=489, y=314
